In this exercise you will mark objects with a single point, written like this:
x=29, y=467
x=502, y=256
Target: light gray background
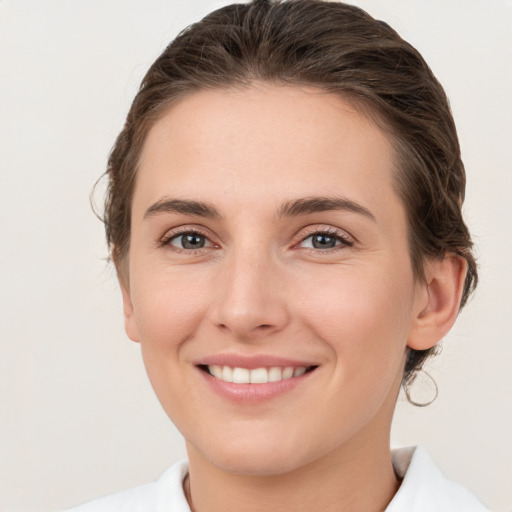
x=78, y=417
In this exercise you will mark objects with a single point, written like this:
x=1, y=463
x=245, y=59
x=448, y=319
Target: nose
x=251, y=302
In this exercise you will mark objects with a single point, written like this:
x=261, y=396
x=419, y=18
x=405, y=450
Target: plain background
x=78, y=417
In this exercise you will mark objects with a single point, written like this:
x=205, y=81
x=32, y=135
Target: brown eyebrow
x=294, y=208
x=307, y=205
x=184, y=206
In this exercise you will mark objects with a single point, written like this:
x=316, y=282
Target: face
x=270, y=284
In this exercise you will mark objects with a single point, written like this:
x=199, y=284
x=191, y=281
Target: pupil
x=323, y=242
x=192, y=241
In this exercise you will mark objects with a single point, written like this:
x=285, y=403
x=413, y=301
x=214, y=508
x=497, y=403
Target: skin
x=259, y=286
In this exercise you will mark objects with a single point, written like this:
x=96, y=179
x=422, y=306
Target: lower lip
x=253, y=393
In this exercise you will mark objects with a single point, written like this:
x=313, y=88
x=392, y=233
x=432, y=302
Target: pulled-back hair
x=337, y=48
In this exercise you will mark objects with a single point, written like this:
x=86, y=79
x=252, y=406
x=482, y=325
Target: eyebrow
x=293, y=208
x=307, y=205
x=183, y=206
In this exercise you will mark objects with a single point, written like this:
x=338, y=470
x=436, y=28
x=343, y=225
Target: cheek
x=363, y=316
x=167, y=309
x=364, y=320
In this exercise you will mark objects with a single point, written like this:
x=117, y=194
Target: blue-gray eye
x=189, y=241
x=321, y=241
x=325, y=241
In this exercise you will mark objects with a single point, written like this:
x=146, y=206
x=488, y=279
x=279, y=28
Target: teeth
x=216, y=371
x=227, y=374
x=256, y=376
x=241, y=375
x=259, y=376
x=288, y=372
x=275, y=374
x=299, y=371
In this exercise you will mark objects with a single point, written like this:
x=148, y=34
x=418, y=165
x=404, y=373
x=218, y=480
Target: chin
x=260, y=464
x=256, y=455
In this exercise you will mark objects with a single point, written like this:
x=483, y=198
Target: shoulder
x=424, y=487
x=166, y=494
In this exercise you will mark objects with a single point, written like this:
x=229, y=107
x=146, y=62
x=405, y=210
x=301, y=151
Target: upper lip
x=251, y=362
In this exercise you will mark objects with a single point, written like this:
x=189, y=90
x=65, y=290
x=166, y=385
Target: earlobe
x=440, y=301
x=130, y=324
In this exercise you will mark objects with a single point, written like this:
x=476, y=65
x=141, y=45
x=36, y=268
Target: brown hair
x=337, y=48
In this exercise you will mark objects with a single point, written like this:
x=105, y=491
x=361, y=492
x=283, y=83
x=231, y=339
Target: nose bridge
x=249, y=303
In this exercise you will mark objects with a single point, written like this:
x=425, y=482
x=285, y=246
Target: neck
x=355, y=478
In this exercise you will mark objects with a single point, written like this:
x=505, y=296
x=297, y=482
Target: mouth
x=262, y=375
x=254, y=379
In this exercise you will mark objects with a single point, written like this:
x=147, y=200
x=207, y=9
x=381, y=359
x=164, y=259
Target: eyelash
x=332, y=233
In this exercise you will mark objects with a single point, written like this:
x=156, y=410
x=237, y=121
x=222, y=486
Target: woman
x=284, y=214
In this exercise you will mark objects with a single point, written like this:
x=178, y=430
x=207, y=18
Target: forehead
x=263, y=142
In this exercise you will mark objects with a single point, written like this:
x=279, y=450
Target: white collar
x=425, y=489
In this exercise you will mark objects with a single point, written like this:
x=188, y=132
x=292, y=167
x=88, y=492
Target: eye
x=187, y=241
x=325, y=240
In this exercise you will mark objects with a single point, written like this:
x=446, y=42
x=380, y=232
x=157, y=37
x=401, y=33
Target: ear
x=130, y=324
x=438, y=301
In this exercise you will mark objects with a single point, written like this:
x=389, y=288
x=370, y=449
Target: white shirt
x=424, y=489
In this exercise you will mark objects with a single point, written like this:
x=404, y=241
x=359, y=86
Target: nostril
x=262, y=327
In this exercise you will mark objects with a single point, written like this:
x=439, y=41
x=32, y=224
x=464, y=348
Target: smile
x=239, y=375
x=255, y=379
